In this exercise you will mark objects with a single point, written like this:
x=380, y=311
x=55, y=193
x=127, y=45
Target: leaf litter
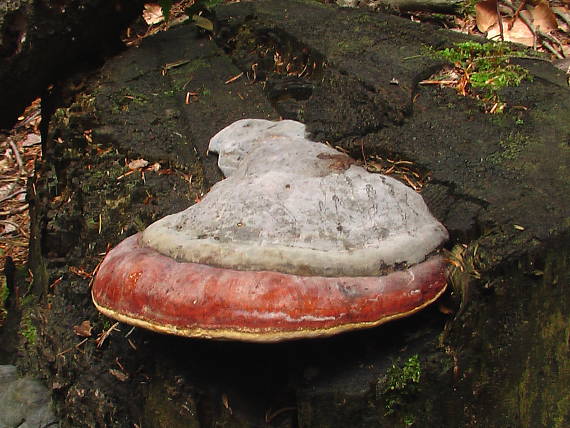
x=20, y=148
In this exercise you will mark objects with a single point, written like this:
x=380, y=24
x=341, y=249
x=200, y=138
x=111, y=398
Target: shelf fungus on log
x=298, y=241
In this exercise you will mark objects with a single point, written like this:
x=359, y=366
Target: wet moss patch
x=511, y=148
x=399, y=387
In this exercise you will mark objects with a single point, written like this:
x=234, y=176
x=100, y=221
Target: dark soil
x=499, y=183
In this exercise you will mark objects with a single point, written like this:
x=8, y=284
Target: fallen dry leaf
x=19, y=150
x=137, y=164
x=152, y=13
x=31, y=140
x=6, y=228
x=226, y=403
x=518, y=33
x=544, y=17
x=486, y=15
x=84, y=329
x=119, y=374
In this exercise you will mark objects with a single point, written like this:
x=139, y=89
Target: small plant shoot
x=399, y=387
x=486, y=67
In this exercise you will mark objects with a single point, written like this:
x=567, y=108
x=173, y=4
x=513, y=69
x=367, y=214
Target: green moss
x=125, y=98
x=28, y=329
x=139, y=224
x=487, y=67
x=534, y=406
x=106, y=323
x=510, y=149
x=4, y=293
x=400, y=377
x=136, y=98
x=488, y=64
x=315, y=3
x=555, y=117
x=398, y=388
x=525, y=344
x=115, y=203
x=355, y=45
x=92, y=224
x=61, y=117
x=468, y=7
x=83, y=103
x=369, y=19
x=196, y=65
x=28, y=301
x=184, y=69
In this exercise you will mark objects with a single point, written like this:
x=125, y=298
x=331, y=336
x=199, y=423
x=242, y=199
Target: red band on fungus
x=138, y=285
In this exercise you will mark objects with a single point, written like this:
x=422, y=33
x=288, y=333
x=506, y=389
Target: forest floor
x=20, y=148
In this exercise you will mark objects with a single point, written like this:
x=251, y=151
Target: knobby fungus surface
x=298, y=241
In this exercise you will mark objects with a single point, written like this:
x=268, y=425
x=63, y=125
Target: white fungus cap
x=295, y=206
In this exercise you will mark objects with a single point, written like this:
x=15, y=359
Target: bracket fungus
x=298, y=241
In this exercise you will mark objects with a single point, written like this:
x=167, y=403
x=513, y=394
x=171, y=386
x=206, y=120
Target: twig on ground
x=16, y=226
x=13, y=194
x=564, y=17
x=15, y=210
x=65, y=351
x=552, y=39
x=550, y=48
x=104, y=335
x=17, y=156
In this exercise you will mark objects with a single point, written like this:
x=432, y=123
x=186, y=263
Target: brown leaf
x=84, y=329
x=544, y=17
x=7, y=228
x=226, y=403
x=152, y=13
x=519, y=33
x=32, y=140
x=137, y=164
x=119, y=374
x=486, y=14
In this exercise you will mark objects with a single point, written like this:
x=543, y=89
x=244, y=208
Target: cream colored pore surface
x=291, y=205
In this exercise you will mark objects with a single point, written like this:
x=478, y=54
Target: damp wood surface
x=499, y=183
